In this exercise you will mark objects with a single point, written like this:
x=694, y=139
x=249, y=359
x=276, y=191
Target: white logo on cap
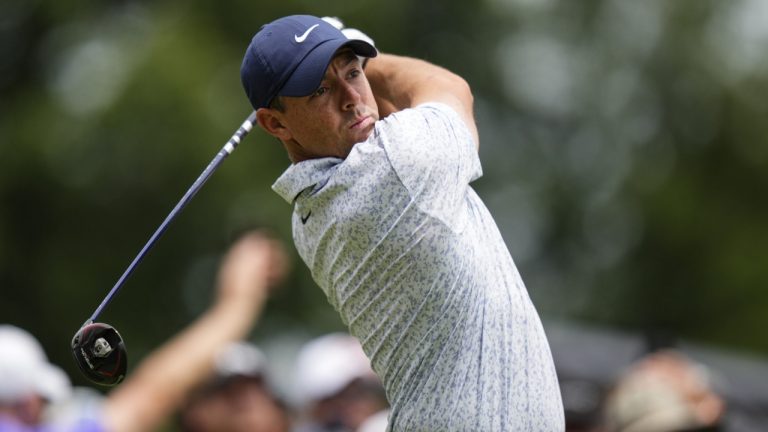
x=302, y=38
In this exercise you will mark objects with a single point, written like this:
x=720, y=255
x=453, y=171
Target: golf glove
x=350, y=33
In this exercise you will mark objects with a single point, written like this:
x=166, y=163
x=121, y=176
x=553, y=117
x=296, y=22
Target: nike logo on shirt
x=304, y=219
x=302, y=38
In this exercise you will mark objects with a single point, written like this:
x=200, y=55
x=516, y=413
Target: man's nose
x=350, y=96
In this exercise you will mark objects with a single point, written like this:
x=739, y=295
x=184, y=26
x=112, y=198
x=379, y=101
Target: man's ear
x=272, y=121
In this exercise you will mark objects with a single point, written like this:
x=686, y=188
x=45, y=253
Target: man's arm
x=163, y=379
x=403, y=82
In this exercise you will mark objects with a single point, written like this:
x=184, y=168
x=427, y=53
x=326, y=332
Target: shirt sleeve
x=434, y=155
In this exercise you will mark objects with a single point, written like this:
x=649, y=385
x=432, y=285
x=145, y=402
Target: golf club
x=98, y=348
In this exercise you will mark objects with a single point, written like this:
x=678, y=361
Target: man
x=28, y=382
x=392, y=232
x=160, y=383
x=253, y=265
x=237, y=398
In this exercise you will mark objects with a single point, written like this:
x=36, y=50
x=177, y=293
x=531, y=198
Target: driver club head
x=100, y=353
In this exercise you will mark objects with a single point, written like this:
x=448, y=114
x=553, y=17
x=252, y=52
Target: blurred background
x=624, y=146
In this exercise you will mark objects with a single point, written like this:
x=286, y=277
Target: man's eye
x=354, y=73
x=320, y=91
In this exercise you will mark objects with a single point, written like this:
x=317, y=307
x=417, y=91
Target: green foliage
x=623, y=143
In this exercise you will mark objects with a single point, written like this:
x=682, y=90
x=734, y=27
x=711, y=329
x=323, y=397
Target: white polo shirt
x=413, y=262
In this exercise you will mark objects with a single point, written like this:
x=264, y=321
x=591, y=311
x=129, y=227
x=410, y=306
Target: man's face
x=338, y=115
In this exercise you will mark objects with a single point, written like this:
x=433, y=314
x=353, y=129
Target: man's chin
x=364, y=133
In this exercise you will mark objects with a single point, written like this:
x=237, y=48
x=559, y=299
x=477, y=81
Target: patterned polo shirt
x=412, y=260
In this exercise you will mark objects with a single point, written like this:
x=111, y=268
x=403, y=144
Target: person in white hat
x=238, y=397
x=335, y=386
x=28, y=382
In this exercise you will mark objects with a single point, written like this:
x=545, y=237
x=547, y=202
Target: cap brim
x=310, y=72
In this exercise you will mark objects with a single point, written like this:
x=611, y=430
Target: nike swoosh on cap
x=302, y=38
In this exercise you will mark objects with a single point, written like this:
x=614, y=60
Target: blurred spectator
x=337, y=389
x=375, y=423
x=237, y=398
x=28, y=382
x=582, y=401
x=664, y=392
x=162, y=381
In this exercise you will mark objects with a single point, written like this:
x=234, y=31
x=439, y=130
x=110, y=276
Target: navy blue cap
x=289, y=56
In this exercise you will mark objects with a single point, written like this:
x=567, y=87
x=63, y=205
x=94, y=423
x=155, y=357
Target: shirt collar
x=303, y=175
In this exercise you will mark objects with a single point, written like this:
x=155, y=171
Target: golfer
x=382, y=156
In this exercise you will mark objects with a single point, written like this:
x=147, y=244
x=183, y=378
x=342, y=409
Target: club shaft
x=225, y=151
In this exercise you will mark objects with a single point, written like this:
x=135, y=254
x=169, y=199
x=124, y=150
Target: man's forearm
x=402, y=82
x=390, y=83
